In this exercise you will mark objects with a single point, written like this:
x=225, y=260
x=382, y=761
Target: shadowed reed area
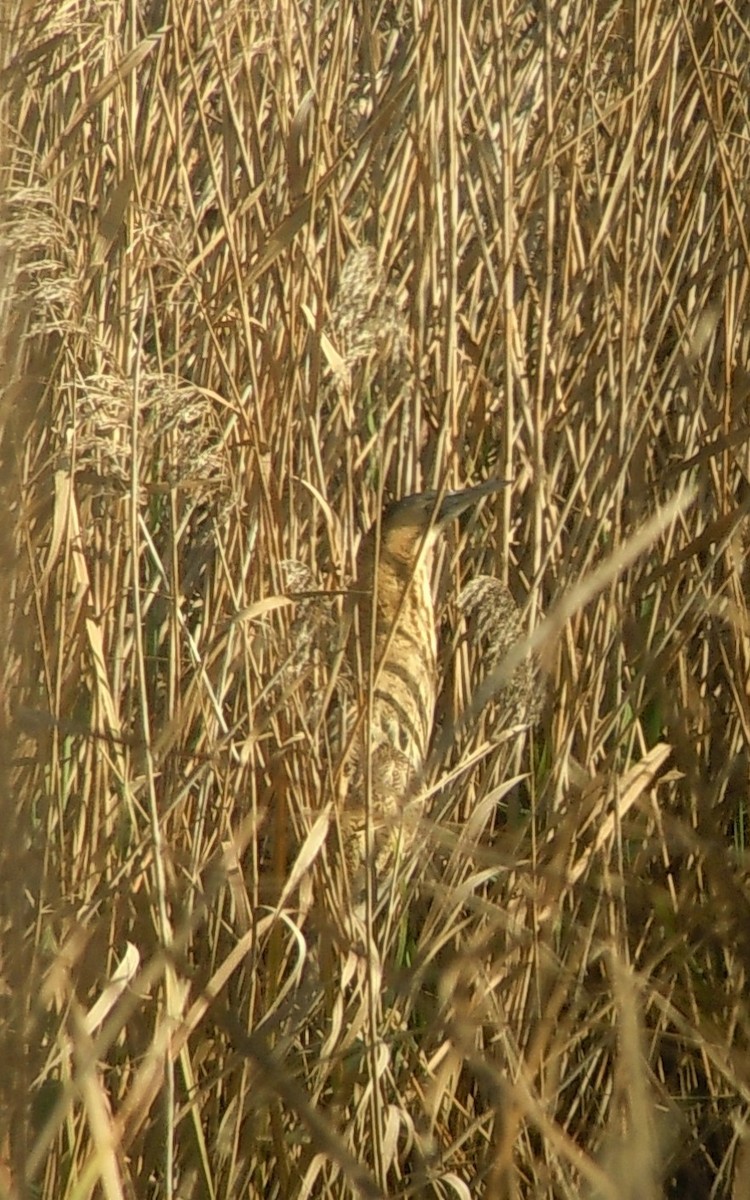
x=266, y=268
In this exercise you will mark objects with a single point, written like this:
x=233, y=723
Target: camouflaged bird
x=392, y=648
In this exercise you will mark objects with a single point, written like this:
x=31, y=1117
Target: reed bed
x=265, y=266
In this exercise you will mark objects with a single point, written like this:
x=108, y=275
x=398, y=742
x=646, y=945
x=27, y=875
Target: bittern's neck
x=396, y=581
x=404, y=657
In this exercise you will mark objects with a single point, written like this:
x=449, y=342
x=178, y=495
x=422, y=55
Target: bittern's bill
x=393, y=641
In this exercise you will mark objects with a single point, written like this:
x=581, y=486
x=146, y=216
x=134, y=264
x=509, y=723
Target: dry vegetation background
x=203, y=393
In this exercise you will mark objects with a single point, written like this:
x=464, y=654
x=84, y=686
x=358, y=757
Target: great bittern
x=393, y=647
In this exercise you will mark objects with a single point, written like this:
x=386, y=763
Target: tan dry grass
x=551, y=1000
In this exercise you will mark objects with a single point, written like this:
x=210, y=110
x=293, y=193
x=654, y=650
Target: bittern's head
x=415, y=522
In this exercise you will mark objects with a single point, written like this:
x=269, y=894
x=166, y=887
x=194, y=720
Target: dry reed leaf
x=103, y=1166
x=309, y=851
x=628, y=792
x=129, y=63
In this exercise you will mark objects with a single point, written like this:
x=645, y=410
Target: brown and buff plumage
x=393, y=650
